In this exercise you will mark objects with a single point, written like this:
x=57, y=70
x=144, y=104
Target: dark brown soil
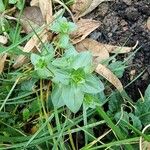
x=124, y=22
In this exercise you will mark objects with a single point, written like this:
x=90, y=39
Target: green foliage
x=143, y=108
x=71, y=73
x=2, y=6
x=117, y=68
x=19, y=3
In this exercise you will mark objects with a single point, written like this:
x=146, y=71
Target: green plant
x=71, y=73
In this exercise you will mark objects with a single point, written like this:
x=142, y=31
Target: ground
x=124, y=23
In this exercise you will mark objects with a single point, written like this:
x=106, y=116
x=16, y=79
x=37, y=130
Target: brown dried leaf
x=3, y=39
x=32, y=45
x=34, y=3
x=148, y=23
x=99, y=52
x=107, y=74
x=46, y=9
x=80, y=6
x=118, y=49
x=33, y=16
x=85, y=27
x=146, y=145
x=2, y=61
x=83, y=7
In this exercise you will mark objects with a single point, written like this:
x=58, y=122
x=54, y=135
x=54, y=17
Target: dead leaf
x=46, y=9
x=34, y=3
x=3, y=39
x=83, y=7
x=107, y=74
x=80, y=6
x=85, y=27
x=32, y=45
x=2, y=61
x=148, y=23
x=99, y=52
x=33, y=16
x=119, y=49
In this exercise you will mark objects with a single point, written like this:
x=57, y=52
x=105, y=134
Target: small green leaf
x=135, y=121
x=63, y=41
x=72, y=97
x=78, y=76
x=83, y=59
x=114, y=103
x=92, y=85
x=56, y=96
x=143, y=111
x=35, y=59
x=20, y=4
x=26, y=114
x=28, y=85
x=61, y=25
x=44, y=73
x=12, y=1
x=90, y=101
x=48, y=49
x=2, y=6
x=70, y=51
x=147, y=94
x=61, y=62
x=61, y=77
x=117, y=68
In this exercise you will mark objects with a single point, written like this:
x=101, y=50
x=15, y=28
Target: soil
x=124, y=23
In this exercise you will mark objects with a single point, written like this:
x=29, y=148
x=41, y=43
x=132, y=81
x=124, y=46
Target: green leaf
x=44, y=73
x=2, y=6
x=143, y=111
x=70, y=51
x=72, y=97
x=78, y=76
x=56, y=96
x=63, y=41
x=90, y=101
x=61, y=62
x=117, y=68
x=28, y=85
x=147, y=94
x=20, y=4
x=61, y=77
x=35, y=59
x=135, y=121
x=114, y=103
x=83, y=59
x=12, y=1
x=48, y=49
x=26, y=114
x=92, y=85
x=61, y=25
x=124, y=117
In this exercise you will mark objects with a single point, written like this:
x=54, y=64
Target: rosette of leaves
x=74, y=80
x=64, y=28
